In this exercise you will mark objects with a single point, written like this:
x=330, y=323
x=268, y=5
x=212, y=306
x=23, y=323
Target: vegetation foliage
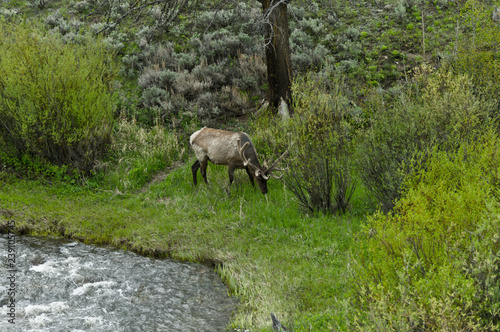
x=56, y=102
x=476, y=52
x=137, y=154
x=439, y=110
x=394, y=103
x=320, y=139
x=433, y=263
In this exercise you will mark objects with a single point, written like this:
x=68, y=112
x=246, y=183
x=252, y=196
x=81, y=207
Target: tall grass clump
x=433, y=264
x=56, y=101
x=138, y=153
x=444, y=112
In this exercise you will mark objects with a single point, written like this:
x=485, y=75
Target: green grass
x=274, y=257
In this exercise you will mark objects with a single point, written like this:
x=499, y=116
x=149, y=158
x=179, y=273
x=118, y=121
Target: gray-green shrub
x=181, y=85
x=55, y=97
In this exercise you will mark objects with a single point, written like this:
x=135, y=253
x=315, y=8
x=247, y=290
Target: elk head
x=260, y=174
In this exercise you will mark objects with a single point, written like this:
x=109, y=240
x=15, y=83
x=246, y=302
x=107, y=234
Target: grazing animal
x=223, y=147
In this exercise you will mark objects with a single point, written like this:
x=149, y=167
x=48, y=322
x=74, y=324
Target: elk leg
x=250, y=175
x=230, y=171
x=203, y=165
x=194, y=169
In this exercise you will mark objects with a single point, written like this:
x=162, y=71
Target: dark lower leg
x=194, y=169
x=250, y=176
x=203, y=170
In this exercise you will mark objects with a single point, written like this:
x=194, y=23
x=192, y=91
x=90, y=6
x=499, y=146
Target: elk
x=223, y=147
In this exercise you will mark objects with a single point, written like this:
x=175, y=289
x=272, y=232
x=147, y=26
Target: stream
x=68, y=286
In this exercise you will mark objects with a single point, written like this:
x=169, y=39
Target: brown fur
x=221, y=147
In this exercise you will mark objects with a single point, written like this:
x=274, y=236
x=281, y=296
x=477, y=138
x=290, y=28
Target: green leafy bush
x=55, y=98
x=433, y=264
x=320, y=170
x=445, y=113
x=320, y=140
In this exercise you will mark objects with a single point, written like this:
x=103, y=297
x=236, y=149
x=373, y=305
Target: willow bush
x=56, y=101
x=443, y=113
x=433, y=263
x=320, y=139
x=320, y=172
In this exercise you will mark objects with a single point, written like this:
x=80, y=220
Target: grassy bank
x=273, y=257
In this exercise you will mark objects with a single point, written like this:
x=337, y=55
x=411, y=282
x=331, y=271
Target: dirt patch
x=161, y=176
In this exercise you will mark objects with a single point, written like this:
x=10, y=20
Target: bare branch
x=217, y=10
x=273, y=166
x=137, y=7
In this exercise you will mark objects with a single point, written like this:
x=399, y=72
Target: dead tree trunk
x=279, y=76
